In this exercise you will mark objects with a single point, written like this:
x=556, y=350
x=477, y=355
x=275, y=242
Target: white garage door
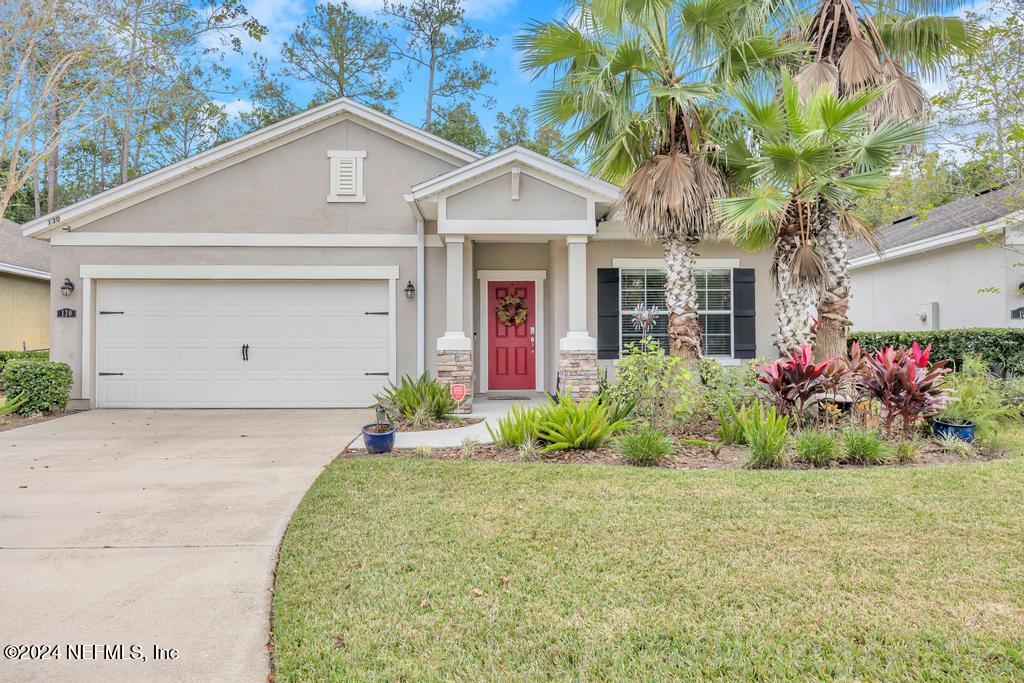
x=241, y=344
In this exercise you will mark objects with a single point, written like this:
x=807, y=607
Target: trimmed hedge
x=30, y=355
x=1002, y=348
x=45, y=385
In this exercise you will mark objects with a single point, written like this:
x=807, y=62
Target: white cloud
x=235, y=107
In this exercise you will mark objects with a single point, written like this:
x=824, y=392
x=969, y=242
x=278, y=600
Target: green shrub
x=418, y=399
x=517, y=428
x=730, y=431
x=976, y=397
x=41, y=386
x=646, y=446
x=765, y=432
x=863, y=446
x=815, y=448
x=566, y=424
x=999, y=347
x=907, y=451
x=727, y=385
x=25, y=355
x=660, y=387
x=954, y=445
x=1013, y=393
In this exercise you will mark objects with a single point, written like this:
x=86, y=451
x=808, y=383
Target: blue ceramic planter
x=377, y=442
x=963, y=432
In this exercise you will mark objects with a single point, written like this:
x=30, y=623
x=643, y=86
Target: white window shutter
x=346, y=176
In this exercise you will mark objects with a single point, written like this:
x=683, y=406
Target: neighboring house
x=24, y=290
x=959, y=265
x=308, y=263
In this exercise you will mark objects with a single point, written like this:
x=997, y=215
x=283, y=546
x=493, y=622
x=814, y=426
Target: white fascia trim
x=24, y=272
x=558, y=171
x=577, y=341
x=262, y=140
x=613, y=230
x=536, y=275
x=979, y=231
x=660, y=263
x=238, y=239
x=110, y=272
x=514, y=227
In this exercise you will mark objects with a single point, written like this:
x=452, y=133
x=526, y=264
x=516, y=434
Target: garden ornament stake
x=645, y=318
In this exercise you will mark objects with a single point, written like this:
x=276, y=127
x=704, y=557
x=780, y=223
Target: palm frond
x=876, y=148
x=925, y=44
x=815, y=76
x=751, y=220
x=859, y=66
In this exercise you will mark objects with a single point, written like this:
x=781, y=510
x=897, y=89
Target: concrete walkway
x=152, y=528
x=490, y=407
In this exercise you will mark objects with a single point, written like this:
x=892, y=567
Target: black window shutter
x=744, y=337
x=607, y=312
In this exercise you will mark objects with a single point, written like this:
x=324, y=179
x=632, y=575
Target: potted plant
x=975, y=406
x=379, y=436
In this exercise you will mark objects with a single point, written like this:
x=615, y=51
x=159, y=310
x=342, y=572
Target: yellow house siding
x=24, y=312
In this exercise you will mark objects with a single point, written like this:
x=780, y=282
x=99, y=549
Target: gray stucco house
x=308, y=263
x=958, y=265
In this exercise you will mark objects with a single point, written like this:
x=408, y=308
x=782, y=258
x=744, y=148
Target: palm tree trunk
x=684, y=331
x=834, y=304
x=793, y=302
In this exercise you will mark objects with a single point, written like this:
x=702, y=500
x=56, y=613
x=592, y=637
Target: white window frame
x=701, y=264
x=358, y=156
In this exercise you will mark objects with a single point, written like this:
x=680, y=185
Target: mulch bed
x=447, y=423
x=686, y=457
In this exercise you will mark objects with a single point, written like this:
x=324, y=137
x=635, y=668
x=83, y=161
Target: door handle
x=245, y=352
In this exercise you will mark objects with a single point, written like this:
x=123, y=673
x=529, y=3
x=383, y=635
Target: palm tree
x=802, y=160
x=632, y=81
x=857, y=46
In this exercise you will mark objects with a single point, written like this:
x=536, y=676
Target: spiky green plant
x=815, y=447
x=645, y=446
x=515, y=428
x=576, y=425
x=860, y=446
x=765, y=432
x=422, y=399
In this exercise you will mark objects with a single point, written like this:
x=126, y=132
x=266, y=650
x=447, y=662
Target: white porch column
x=577, y=358
x=455, y=349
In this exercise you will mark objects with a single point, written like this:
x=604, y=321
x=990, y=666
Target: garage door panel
x=180, y=343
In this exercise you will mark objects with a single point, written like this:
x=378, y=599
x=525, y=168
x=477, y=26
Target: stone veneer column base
x=577, y=373
x=456, y=367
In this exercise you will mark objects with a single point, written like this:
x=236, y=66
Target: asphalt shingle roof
x=26, y=252
x=962, y=213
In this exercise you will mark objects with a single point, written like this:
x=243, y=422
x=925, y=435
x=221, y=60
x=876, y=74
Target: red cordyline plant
x=902, y=381
x=793, y=382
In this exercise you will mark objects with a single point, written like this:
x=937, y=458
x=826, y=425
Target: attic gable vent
x=346, y=176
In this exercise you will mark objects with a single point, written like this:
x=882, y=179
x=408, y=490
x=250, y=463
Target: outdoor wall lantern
x=68, y=288
x=410, y=290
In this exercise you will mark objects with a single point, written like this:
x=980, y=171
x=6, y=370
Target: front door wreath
x=512, y=311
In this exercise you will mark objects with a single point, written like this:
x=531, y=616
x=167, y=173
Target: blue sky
x=502, y=19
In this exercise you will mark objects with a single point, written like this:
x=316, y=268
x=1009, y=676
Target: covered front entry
x=241, y=344
x=512, y=335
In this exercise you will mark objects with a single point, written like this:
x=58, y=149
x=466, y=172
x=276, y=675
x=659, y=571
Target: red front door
x=511, y=347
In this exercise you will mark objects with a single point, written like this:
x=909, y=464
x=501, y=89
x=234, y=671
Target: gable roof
x=21, y=255
x=589, y=185
x=228, y=153
x=950, y=223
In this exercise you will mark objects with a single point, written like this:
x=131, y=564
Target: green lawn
x=403, y=569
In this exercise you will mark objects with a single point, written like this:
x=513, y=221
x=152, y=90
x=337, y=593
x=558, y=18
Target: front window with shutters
x=346, y=176
x=714, y=302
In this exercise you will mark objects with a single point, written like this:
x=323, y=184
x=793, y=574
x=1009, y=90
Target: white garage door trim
x=88, y=273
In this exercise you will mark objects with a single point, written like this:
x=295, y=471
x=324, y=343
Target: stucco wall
x=24, y=312
x=284, y=190
x=538, y=200
x=65, y=337
x=890, y=294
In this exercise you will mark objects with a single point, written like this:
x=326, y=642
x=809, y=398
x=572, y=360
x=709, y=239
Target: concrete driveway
x=152, y=529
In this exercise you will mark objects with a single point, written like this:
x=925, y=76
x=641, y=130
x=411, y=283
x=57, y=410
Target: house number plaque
x=65, y=313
